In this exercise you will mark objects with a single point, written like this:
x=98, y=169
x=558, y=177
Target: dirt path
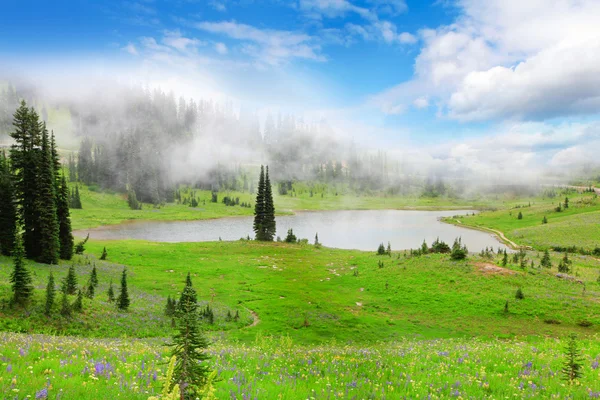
x=495, y=232
x=255, y=319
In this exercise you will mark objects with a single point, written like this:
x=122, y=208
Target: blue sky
x=466, y=79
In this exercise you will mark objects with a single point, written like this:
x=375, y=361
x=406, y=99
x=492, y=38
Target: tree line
x=34, y=192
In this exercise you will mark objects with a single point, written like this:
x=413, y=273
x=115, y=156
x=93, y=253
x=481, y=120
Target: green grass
x=291, y=286
x=579, y=225
x=74, y=368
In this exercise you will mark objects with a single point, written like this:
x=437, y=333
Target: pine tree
x=94, y=277
x=78, y=303
x=424, y=247
x=46, y=206
x=259, y=207
x=111, y=293
x=50, y=294
x=574, y=362
x=546, y=261
x=520, y=216
x=90, y=291
x=20, y=278
x=544, y=220
x=64, y=221
x=189, y=346
x=269, y=224
x=123, y=299
x=65, y=307
x=70, y=282
x=519, y=294
x=104, y=254
x=25, y=158
x=389, y=249
x=566, y=203
x=505, y=258
x=290, y=238
x=8, y=210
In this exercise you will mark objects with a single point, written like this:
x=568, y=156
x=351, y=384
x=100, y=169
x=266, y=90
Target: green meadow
x=316, y=322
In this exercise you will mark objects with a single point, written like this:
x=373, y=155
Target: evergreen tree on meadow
x=520, y=216
x=70, y=282
x=46, y=206
x=111, y=292
x=25, y=158
x=90, y=291
x=78, y=303
x=546, y=261
x=65, y=234
x=269, y=222
x=94, y=277
x=50, y=295
x=65, y=307
x=104, y=254
x=573, y=361
x=259, y=206
x=544, y=220
x=75, y=199
x=20, y=278
x=189, y=346
x=8, y=210
x=566, y=203
x=123, y=299
x=505, y=258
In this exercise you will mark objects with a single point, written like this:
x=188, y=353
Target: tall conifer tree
x=259, y=207
x=269, y=225
x=65, y=234
x=25, y=156
x=20, y=278
x=123, y=299
x=8, y=211
x=46, y=206
x=188, y=345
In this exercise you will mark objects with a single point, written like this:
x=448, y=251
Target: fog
x=187, y=129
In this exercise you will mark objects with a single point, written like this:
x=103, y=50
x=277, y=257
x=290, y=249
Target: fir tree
x=78, y=303
x=188, y=283
x=505, y=259
x=519, y=294
x=424, y=247
x=50, y=294
x=104, y=254
x=20, y=278
x=90, y=291
x=544, y=220
x=94, y=277
x=546, y=261
x=8, y=210
x=290, y=238
x=70, y=282
x=169, y=308
x=25, y=157
x=189, y=346
x=317, y=239
x=64, y=221
x=259, y=207
x=389, y=249
x=459, y=251
x=65, y=307
x=520, y=216
x=123, y=299
x=381, y=249
x=80, y=247
x=48, y=243
x=269, y=224
x=566, y=203
x=111, y=293
x=574, y=362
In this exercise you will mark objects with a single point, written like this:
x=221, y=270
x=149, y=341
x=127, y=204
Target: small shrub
x=519, y=295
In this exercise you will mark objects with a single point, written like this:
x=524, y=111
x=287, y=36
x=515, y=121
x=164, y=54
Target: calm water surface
x=362, y=230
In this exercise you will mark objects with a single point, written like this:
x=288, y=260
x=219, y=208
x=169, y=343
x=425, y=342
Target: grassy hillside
x=579, y=225
x=314, y=295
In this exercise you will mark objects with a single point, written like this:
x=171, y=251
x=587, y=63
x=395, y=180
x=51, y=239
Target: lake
x=362, y=230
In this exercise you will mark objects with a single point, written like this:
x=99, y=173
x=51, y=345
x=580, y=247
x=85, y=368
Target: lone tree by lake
x=264, y=209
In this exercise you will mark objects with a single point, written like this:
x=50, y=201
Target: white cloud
x=421, y=102
x=130, y=48
x=509, y=59
x=175, y=40
x=267, y=46
x=407, y=38
x=221, y=48
x=218, y=5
